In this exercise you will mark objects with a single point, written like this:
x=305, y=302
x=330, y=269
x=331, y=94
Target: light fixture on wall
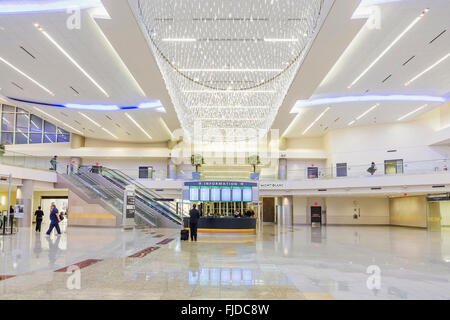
x=409, y=27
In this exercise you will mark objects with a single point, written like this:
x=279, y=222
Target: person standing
x=39, y=214
x=194, y=216
x=53, y=163
x=54, y=220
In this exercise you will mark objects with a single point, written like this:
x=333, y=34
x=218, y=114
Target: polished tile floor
x=278, y=263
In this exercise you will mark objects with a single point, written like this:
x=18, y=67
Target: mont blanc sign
x=272, y=186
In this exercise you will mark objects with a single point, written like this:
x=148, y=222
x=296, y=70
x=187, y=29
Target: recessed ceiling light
x=94, y=122
x=412, y=24
x=179, y=39
x=56, y=119
x=110, y=133
x=427, y=69
x=229, y=91
x=96, y=107
x=367, y=98
x=26, y=76
x=412, y=112
x=231, y=70
x=138, y=125
x=150, y=105
x=317, y=119
x=76, y=64
x=368, y=110
x=280, y=40
x=364, y=114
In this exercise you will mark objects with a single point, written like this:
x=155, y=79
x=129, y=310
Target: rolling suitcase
x=184, y=234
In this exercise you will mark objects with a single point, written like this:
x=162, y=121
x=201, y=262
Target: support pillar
x=25, y=197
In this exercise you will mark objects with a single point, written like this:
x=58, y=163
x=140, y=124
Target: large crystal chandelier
x=228, y=64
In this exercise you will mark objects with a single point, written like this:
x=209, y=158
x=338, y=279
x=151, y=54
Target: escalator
x=111, y=183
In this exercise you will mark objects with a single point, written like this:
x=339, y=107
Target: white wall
x=369, y=210
x=359, y=146
x=340, y=210
x=131, y=166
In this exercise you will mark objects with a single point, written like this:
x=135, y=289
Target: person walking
x=193, y=222
x=54, y=220
x=372, y=168
x=39, y=214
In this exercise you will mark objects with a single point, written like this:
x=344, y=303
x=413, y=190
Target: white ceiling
x=130, y=68
x=365, y=48
x=91, y=50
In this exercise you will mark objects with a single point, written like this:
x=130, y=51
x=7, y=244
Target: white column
x=25, y=197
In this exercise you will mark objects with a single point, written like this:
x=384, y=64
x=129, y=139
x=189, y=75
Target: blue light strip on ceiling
x=367, y=98
x=94, y=107
x=33, y=6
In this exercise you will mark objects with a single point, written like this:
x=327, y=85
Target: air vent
x=337, y=119
x=73, y=89
x=77, y=122
x=438, y=186
x=392, y=151
x=128, y=133
x=440, y=34
x=108, y=117
x=375, y=188
x=15, y=84
x=321, y=190
x=118, y=125
x=404, y=63
x=385, y=79
x=28, y=52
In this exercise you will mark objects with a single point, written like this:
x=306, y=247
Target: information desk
x=224, y=225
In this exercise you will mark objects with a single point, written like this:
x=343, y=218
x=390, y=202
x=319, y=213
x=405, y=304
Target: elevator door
x=268, y=209
x=316, y=215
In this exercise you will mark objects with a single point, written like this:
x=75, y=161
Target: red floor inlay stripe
x=165, y=241
x=81, y=264
x=158, y=236
x=144, y=252
x=4, y=277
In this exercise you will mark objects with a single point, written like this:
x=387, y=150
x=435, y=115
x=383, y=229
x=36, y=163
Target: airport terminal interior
x=312, y=137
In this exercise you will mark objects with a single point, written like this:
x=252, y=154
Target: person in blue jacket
x=54, y=219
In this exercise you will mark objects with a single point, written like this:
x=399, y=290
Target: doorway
x=316, y=215
x=62, y=204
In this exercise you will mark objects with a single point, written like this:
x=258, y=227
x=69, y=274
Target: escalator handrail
x=141, y=189
x=149, y=217
x=117, y=177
